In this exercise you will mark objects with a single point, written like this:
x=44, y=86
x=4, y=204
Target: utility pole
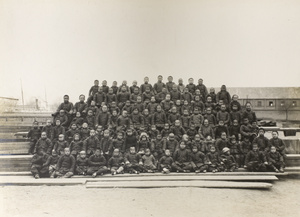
x=22, y=95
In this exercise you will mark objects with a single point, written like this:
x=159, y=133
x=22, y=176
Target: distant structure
x=7, y=104
x=277, y=103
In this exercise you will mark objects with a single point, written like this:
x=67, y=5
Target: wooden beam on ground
x=30, y=181
x=182, y=178
x=198, y=184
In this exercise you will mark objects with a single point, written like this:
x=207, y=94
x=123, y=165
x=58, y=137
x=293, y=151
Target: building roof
x=264, y=92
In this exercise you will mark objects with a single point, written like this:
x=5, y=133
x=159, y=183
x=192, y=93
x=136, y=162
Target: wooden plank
x=183, y=178
x=199, y=184
x=30, y=181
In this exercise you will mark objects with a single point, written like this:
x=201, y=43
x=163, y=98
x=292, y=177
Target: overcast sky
x=63, y=46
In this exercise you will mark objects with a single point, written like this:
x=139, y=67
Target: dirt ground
x=282, y=200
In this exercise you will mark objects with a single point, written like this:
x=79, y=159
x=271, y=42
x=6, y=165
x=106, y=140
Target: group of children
x=164, y=127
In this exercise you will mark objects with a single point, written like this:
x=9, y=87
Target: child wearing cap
x=275, y=160
x=65, y=165
x=39, y=167
x=228, y=160
x=133, y=161
x=198, y=160
x=149, y=161
x=182, y=159
x=81, y=163
x=116, y=163
x=97, y=164
x=256, y=160
x=214, y=161
x=165, y=162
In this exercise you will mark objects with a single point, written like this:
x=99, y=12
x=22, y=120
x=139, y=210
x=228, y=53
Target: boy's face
x=174, y=88
x=44, y=135
x=178, y=102
x=152, y=99
x=61, y=137
x=167, y=153
x=212, y=90
x=197, y=137
x=82, y=155
x=158, y=137
x=208, y=138
x=132, y=150
x=159, y=78
x=171, y=137
x=168, y=97
x=180, y=81
x=76, y=137
x=135, y=111
x=77, y=114
x=136, y=91
x=248, y=107
x=158, y=108
x=196, y=111
x=96, y=83
x=235, y=98
x=221, y=102
x=174, y=110
x=200, y=81
x=212, y=149
x=255, y=147
x=195, y=150
x=106, y=133
x=233, y=141
x=177, y=123
x=147, y=90
x=185, y=112
x=221, y=123
x=182, y=145
x=246, y=121
x=235, y=123
x=139, y=99
x=82, y=98
x=104, y=83
x=90, y=113
x=97, y=152
x=191, y=81
x=116, y=153
x=129, y=132
x=273, y=149
x=146, y=80
x=223, y=108
x=208, y=111
x=114, y=113
x=147, y=152
x=274, y=135
x=48, y=123
x=170, y=79
x=134, y=83
x=120, y=136
x=205, y=123
x=123, y=89
x=100, y=89
x=192, y=127
x=66, y=99
x=67, y=151
x=110, y=91
x=53, y=153
x=223, y=135
x=104, y=108
x=146, y=112
x=261, y=132
x=114, y=83
x=93, y=103
x=153, y=127
x=166, y=126
x=124, y=113
x=209, y=99
x=92, y=133
x=99, y=128
x=57, y=122
x=234, y=108
x=73, y=126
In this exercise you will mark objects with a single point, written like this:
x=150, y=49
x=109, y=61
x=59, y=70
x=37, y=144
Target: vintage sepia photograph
x=149, y=108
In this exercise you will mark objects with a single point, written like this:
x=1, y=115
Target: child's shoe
x=186, y=171
x=276, y=170
x=281, y=170
x=204, y=171
x=197, y=171
x=214, y=171
x=94, y=175
x=37, y=176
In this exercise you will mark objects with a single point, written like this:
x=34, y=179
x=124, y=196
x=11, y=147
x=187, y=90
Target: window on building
x=294, y=103
x=259, y=104
x=271, y=103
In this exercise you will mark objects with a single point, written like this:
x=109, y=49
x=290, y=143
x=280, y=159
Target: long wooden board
x=199, y=184
x=183, y=178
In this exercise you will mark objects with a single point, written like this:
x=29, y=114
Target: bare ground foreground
x=282, y=200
